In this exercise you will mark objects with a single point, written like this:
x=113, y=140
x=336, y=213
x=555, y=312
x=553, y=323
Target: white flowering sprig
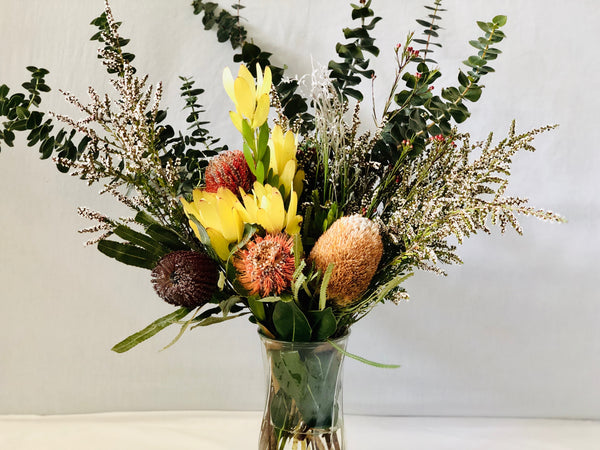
x=447, y=192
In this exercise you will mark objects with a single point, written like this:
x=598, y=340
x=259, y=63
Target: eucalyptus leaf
x=323, y=324
x=290, y=323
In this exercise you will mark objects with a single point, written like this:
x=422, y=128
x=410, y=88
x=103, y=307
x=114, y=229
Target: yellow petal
x=293, y=205
x=245, y=100
x=265, y=220
x=293, y=226
x=298, y=182
x=265, y=87
x=286, y=178
x=225, y=195
x=262, y=111
x=198, y=195
x=247, y=211
x=218, y=243
x=228, y=83
x=247, y=76
x=230, y=224
x=259, y=79
x=208, y=215
x=195, y=229
x=276, y=209
x=236, y=118
x=277, y=137
x=289, y=146
x=260, y=190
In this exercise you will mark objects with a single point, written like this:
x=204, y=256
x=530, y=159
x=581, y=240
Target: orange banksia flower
x=354, y=246
x=266, y=265
x=229, y=170
x=185, y=278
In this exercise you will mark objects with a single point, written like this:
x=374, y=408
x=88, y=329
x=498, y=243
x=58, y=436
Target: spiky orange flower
x=229, y=170
x=266, y=265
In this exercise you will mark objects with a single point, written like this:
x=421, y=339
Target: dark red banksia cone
x=185, y=278
x=230, y=170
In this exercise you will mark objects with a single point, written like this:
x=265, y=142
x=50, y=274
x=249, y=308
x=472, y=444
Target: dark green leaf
x=141, y=240
x=462, y=78
x=128, y=254
x=499, y=20
x=323, y=324
x=473, y=93
x=291, y=323
x=484, y=26
x=166, y=236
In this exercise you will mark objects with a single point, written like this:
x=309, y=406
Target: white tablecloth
x=216, y=430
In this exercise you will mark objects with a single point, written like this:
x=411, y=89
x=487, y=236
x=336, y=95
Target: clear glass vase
x=303, y=408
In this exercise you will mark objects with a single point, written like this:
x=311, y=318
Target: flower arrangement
x=311, y=221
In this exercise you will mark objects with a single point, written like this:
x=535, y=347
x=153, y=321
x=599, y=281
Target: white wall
x=513, y=332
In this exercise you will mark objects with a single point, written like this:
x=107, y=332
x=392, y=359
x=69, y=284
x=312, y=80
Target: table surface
x=226, y=430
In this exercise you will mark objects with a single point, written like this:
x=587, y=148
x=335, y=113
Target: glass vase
x=303, y=408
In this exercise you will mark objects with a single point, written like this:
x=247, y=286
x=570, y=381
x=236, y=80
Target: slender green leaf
x=156, y=326
x=140, y=239
x=184, y=327
x=361, y=359
x=128, y=254
x=213, y=320
x=324, y=284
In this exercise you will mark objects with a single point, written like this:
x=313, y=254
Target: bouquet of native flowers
x=312, y=221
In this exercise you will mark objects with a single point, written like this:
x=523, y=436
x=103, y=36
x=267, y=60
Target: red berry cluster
x=412, y=53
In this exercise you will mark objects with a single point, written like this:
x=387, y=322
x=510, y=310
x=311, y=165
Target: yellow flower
x=265, y=207
x=251, y=97
x=283, y=160
x=219, y=215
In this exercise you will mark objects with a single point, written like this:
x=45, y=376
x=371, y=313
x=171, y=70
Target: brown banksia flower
x=266, y=266
x=230, y=170
x=353, y=244
x=185, y=278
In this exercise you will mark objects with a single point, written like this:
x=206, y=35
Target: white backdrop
x=513, y=332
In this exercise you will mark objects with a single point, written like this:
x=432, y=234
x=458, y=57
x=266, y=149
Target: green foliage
x=294, y=106
x=227, y=25
x=346, y=74
x=184, y=147
x=156, y=326
x=420, y=115
x=363, y=360
x=430, y=31
x=468, y=88
x=22, y=113
x=306, y=379
x=116, y=44
x=290, y=323
x=142, y=249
